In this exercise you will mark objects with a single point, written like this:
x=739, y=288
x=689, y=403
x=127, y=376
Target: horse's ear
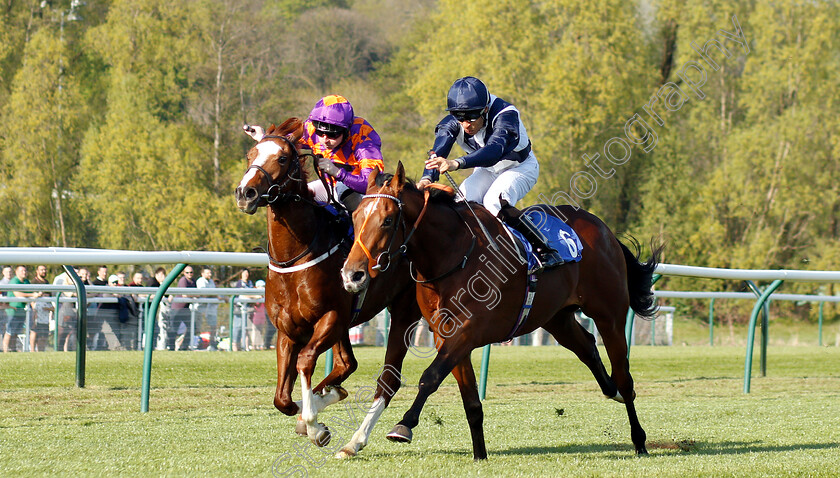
x=297, y=133
x=399, y=177
x=371, y=185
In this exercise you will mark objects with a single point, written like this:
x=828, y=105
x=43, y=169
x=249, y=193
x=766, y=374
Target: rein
x=404, y=246
x=400, y=222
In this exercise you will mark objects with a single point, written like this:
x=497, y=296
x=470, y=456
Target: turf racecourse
x=212, y=415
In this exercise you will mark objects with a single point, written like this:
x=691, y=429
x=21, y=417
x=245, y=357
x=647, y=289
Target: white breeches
x=317, y=188
x=485, y=185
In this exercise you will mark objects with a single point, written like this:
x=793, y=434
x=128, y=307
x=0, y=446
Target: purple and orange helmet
x=332, y=113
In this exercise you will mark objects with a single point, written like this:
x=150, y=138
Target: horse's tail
x=640, y=278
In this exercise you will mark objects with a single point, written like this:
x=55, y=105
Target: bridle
x=404, y=246
x=274, y=188
x=387, y=254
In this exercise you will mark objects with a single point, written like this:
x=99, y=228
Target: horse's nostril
x=358, y=276
x=250, y=193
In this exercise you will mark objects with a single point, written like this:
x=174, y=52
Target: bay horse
x=304, y=296
x=474, y=292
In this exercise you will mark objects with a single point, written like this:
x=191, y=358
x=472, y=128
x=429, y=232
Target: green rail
x=759, y=305
x=712, y=322
x=485, y=365
x=631, y=317
x=81, y=327
x=150, y=331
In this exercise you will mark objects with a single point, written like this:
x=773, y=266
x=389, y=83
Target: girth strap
x=525, y=311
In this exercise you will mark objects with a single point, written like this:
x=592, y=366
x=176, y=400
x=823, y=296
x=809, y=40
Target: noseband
x=386, y=254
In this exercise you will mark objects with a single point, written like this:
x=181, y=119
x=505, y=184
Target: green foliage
x=45, y=117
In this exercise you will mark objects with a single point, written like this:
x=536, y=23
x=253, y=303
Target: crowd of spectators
x=114, y=319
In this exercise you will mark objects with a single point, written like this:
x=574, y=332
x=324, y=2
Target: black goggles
x=469, y=116
x=329, y=134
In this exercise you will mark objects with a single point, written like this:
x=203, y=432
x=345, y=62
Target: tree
x=147, y=171
x=44, y=116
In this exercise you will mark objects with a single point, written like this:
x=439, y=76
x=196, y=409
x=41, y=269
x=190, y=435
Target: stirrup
x=548, y=259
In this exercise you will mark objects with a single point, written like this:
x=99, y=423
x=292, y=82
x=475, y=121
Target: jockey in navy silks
x=490, y=131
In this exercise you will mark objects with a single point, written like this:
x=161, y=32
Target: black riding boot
x=547, y=256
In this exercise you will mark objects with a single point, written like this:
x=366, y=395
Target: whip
x=461, y=195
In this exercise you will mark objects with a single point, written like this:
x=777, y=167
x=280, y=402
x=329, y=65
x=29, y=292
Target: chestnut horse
x=474, y=290
x=304, y=296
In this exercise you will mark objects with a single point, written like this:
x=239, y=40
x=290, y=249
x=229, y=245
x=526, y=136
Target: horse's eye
x=388, y=222
x=282, y=159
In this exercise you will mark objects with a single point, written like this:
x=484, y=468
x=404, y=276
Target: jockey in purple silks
x=348, y=145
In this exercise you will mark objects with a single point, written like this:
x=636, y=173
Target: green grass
x=212, y=414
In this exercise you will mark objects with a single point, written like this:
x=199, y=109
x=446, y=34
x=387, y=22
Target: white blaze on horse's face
x=266, y=150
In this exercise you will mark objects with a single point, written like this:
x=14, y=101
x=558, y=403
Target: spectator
x=66, y=316
x=164, y=310
x=96, y=314
x=158, y=278
x=244, y=311
x=180, y=315
x=269, y=330
x=39, y=328
x=84, y=275
x=125, y=327
x=16, y=313
x=107, y=315
x=7, y=276
x=259, y=319
x=210, y=312
x=137, y=280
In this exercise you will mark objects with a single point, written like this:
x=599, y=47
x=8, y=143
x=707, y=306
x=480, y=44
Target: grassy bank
x=211, y=414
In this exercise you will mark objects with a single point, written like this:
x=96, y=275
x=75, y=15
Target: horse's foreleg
x=311, y=404
x=451, y=353
x=287, y=352
x=465, y=376
x=390, y=378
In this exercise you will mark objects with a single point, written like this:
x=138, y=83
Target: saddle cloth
x=561, y=237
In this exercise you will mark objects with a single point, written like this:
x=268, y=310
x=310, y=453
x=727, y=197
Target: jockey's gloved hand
x=327, y=167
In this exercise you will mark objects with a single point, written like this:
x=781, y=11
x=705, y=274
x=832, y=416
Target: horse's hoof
x=323, y=437
x=618, y=398
x=641, y=451
x=342, y=393
x=344, y=453
x=400, y=433
x=300, y=427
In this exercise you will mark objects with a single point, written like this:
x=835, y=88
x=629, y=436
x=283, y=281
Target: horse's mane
x=292, y=127
x=436, y=195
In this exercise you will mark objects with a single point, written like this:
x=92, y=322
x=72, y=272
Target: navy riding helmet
x=467, y=94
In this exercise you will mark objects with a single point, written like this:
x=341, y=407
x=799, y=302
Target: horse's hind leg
x=610, y=322
x=570, y=334
x=465, y=376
